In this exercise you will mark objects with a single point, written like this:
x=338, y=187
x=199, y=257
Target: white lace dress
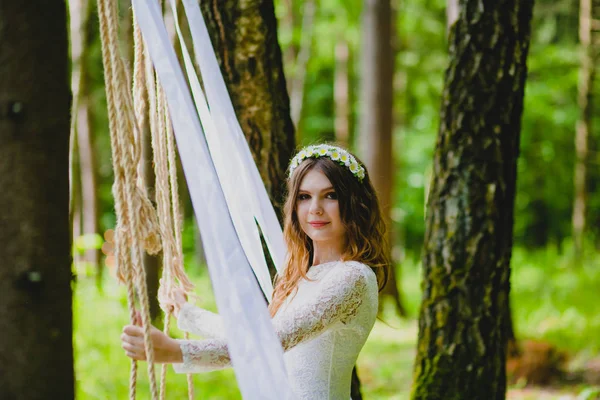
x=322, y=329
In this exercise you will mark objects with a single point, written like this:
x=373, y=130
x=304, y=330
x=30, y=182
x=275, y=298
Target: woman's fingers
x=133, y=330
x=134, y=340
x=133, y=345
x=134, y=352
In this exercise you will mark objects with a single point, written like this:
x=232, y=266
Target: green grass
x=554, y=300
x=551, y=300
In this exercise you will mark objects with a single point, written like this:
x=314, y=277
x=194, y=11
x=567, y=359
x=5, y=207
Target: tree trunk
x=461, y=350
x=376, y=120
x=289, y=24
x=85, y=175
x=245, y=40
x=298, y=77
x=35, y=293
x=152, y=263
x=341, y=92
x=584, y=125
x=89, y=185
x=74, y=194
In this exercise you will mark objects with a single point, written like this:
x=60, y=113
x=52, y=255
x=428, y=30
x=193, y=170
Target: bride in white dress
x=325, y=302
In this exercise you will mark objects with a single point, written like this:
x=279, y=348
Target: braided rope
x=127, y=123
x=129, y=199
x=140, y=102
x=147, y=85
x=118, y=194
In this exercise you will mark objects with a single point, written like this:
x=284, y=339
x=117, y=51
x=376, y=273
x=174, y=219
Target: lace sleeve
x=337, y=300
x=203, y=356
x=200, y=322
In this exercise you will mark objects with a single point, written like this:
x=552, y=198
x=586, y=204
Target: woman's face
x=318, y=210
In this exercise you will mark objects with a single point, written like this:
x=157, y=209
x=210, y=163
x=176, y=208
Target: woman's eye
x=303, y=196
x=331, y=195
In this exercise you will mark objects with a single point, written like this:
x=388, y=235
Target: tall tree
x=298, y=78
x=584, y=123
x=466, y=262
x=341, y=93
x=250, y=60
x=35, y=279
x=376, y=106
x=82, y=133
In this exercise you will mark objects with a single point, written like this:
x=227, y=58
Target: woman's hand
x=166, y=349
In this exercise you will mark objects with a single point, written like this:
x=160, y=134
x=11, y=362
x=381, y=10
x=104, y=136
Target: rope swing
x=137, y=221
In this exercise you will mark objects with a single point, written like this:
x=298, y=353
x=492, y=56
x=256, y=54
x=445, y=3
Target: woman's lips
x=318, y=224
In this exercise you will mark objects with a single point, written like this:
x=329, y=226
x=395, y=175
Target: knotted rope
x=136, y=219
x=149, y=101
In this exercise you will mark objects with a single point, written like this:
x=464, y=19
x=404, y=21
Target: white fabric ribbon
x=255, y=350
x=240, y=179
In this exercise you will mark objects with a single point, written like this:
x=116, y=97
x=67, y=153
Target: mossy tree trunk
x=245, y=39
x=36, y=345
x=466, y=262
x=376, y=117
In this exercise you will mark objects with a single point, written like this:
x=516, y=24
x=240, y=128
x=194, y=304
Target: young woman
x=325, y=302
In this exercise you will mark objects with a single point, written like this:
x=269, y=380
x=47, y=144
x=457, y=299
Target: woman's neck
x=326, y=252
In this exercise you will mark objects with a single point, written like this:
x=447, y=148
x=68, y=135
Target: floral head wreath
x=334, y=153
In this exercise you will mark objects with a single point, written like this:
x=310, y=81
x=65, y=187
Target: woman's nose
x=316, y=207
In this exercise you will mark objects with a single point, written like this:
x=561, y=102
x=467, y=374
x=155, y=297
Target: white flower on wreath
x=354, y=167
x=335, y=155
x=294, y=163
x=323, y=151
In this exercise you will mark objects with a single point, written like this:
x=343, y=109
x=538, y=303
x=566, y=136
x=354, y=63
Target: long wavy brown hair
x=360, y=212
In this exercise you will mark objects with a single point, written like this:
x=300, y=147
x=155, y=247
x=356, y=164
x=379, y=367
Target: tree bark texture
x=584, y=124
x=244, y=35
x=461, y=350
x=376, y=107
x=36, y=352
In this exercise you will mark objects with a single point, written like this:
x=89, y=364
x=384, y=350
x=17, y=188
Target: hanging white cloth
x=256, y=353
x=244, y=190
